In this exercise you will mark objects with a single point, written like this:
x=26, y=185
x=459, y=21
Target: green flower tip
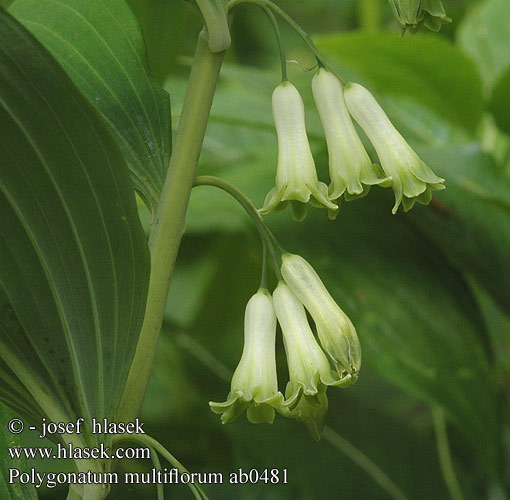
x=254, y=385
x=296, y=177
x=411, y=179
x=411, y=14
x=311, y=410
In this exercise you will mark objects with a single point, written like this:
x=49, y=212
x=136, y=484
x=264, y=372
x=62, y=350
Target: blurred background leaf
x=500, y=101
x=485, y=36
x=164, y=24
x=426, y=68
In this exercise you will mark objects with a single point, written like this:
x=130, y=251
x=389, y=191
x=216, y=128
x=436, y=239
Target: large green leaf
x=485, y=35
x=74, y=259
x=16, y=490
x=99, y=44
x=424, y=68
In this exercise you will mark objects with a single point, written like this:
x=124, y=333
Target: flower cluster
x=410, y=14
x=351, y=170
x=313, y=365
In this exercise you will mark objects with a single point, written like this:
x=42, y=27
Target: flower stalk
x=270, y=242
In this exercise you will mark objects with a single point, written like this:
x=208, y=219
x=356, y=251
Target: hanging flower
x=254, y=385
x=309, y=369
x=296, y=176
x=410, y=14
x=411, y=179
x=350, y=168
x=335, y=330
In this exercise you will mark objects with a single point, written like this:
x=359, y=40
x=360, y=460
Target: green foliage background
x=429, y=291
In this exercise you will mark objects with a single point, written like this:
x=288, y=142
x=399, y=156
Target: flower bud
x=296, y=176
x=254, y=385
x=411, y=179
x=350, y=167
x=336, y=332
x=410, y=14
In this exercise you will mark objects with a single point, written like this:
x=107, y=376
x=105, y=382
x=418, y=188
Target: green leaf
x=485, y=36
x=499, y=104
x=75, y=262
x=163, y=24
x=425, y=68
x=470, y=220
x=15, y=491
x=100, y=46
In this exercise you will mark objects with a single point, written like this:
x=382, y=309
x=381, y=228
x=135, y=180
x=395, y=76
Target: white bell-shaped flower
x=254, y=385
x=296, y=176
x=336, y=332
x=350, y=168
x=309, y=368
x=308, y=365
x=411, y=179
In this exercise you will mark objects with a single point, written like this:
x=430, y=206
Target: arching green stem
x=268, y=4
x=276, y=28
x=150, y=442
x=263, y=274
x=281, y=47
x=157, y=465
x=265, y=233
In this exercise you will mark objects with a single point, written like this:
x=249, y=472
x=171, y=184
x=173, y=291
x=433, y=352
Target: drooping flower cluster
x=351, y=170
x=313, y=365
